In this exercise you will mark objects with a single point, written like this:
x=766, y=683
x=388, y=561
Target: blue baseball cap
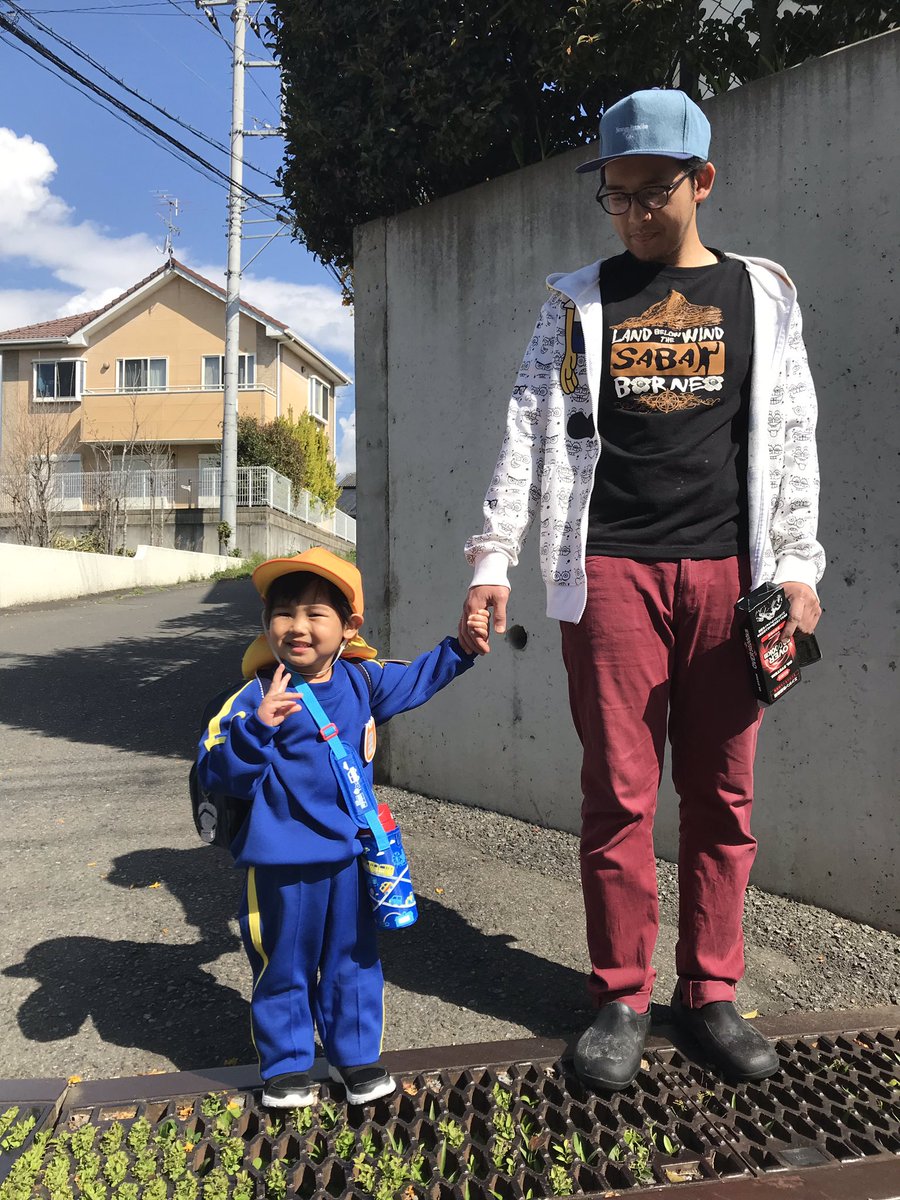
x=655, y=121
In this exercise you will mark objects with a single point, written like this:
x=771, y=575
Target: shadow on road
x=148, y=995
x=159, y=998
x=444, y=955
x=141, y=693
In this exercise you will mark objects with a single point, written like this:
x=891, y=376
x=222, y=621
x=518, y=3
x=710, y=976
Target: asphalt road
x=120, y=953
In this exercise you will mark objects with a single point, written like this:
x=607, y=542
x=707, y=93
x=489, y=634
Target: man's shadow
x=443, y=955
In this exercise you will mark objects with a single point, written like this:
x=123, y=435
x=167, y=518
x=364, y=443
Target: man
x=663, y=424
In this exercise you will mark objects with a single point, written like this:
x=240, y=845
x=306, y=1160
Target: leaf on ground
x=155, y=885
x=230, y=1062
x=748, y=1016
x=73, y=1079
x=184, y=1111
x=410, y=1088
x=439, y=891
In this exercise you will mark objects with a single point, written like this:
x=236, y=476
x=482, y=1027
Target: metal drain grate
x=834, y=1100
x=521, y=1130
x=27, y=1109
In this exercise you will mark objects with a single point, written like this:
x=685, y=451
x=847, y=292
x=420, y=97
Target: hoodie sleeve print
x=399, y=687
x=237, y=748
x=514, y=492
x=795, y=513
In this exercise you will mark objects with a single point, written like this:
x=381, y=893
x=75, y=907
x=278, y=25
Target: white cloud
x=346, y=454
x=40, y=228
x=91, y=266
x=313, y=311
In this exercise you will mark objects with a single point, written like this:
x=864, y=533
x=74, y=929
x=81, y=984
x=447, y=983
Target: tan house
x=146, y=371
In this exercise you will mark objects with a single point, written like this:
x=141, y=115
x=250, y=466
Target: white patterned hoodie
x=541, y=469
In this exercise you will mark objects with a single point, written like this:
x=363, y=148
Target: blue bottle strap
x=360, y=797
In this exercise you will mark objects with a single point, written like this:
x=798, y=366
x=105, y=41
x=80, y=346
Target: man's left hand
x=805, y=609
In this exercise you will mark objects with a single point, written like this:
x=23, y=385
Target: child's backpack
x=218, y=818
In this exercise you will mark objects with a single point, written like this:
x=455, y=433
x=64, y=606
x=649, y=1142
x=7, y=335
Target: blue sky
x=79, y=218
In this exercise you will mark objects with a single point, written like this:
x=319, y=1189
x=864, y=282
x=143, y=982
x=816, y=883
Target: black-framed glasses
x=650, y=198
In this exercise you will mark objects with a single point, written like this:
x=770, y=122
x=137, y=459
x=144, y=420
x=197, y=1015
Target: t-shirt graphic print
x=672, y=419
x=668, y=358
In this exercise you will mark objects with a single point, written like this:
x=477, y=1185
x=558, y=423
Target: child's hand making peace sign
x=279, y=702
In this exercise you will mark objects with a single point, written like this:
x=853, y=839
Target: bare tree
x=30, y=487
x=112, y=464
x=157, y=457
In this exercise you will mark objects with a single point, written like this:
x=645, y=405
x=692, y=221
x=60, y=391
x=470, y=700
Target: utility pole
x=228, y=507
x=236, y=204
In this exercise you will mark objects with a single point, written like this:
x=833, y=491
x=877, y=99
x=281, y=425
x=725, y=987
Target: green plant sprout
x=328, y=1115
x=661, y=1140
x=7, y=1118
x=19, y=1183
x=155, y=1190
x=244, y=1187
x=112, y=1138
x=344, y=1141
x=115, y=1168
x=276, y=1180
x=639, y=1153
x=231, y=1155
x=127, y=1191
x=301, y=1119
x=560, y=1180
x=274, y=1127
x=13, y=1133
x=215, y=1185
x=94, y=1189
x=138, y=1137
x=174, y=1160
x=212, y=1105
x=187, y=1188
x=56, y=1173
x=144, y=1167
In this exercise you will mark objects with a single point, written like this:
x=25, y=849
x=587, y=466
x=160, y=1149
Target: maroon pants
x=657, y=650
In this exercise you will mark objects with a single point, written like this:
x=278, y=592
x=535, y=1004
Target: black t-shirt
x=674, y=399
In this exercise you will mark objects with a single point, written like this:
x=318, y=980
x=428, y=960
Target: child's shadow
x=148, y=995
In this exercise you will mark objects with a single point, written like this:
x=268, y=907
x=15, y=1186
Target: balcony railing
x=257, y=487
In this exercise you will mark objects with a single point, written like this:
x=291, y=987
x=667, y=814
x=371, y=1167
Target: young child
x=306, y=919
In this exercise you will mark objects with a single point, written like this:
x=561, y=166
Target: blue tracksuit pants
x=310, y=935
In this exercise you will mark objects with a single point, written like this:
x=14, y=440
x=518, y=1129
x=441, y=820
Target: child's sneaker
x=289, y=1091
x=364, y=1083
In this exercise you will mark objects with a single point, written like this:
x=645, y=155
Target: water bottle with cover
x=387, y=876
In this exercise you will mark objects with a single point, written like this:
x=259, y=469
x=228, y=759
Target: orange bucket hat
x=318, y=561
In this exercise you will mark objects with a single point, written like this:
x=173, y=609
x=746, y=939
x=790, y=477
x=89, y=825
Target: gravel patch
x=812, y=959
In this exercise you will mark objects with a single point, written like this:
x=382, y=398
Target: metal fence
x=257, y=487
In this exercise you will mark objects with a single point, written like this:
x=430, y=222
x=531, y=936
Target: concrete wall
x=446, y=298
x=29, y=575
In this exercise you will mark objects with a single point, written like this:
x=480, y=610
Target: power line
x=105, y=108
x=217, y=33
x=83, y=54
x=45, y=52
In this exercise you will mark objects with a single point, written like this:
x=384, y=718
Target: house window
x=58, y=380
x=319, y=398
x=141, y=374
x=214, y=370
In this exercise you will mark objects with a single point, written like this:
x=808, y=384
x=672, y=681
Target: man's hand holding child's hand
x=477, y=625
x=278, y=702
